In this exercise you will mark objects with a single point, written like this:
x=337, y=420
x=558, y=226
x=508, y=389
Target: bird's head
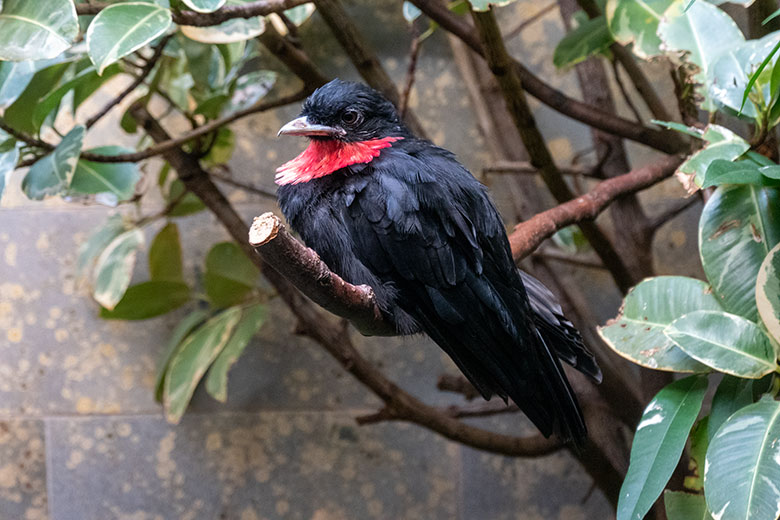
x=348, y=123
x=349, y=112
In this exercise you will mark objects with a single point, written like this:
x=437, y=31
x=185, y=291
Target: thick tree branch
x=364, y=59
x=293, y=58
x=509, y=81
x=225, y=13
x=528, y=235
x=664, y=141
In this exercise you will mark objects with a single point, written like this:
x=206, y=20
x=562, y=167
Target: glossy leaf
x=7, y=164
x=230, y=275
x=733, y=393
x=685, y=506
x=120, y=29
x=742, y=474
x=36, y=30
x=589, y=38
x=118, y=180
x=636, y=21
x=114, y=268
x=658, y=443
x=235, y=30
x=98, y=241
x=250, y=88
x=484, y=5
x=14, y=78
x=637, y=333
x=193, y=358
x=721, y=171
x=725, y=342
x=182, y=329
x=147, y=300
x=188, y=204
x=165, y=262
x=21, y=114
x=768, y=292
x=704, y=32
x=52, y=174
x=738, y=227
x=252, y=319
x=204, y=6
x=694, y=480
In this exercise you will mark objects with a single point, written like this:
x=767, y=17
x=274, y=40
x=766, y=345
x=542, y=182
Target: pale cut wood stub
x=264, y=229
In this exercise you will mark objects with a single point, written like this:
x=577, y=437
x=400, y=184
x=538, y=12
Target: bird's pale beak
x=302, y=126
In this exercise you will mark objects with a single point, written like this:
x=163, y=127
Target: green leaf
x=193, y=358
x=771, y=172
x=767, y=58
x=694, y=481
x=722, y=143
x=189, y=203
x=183, y=328
x=36, y=30
x=637, y=332
x=733, y=393
x=725, y=342
x=738, y=227
x=589, y=38
x=250, y=88
x=114, y=268
x=147, y=300
x=679, y=127
x=704, y=33
x=14, y=78
x=120, y=29
x=87, y=81
x=658, y=443
x=221, y=150
x=685, y=506
x=118, y=180
x=98, y=241
x=7, y=164
x=20, y=115
x=298, y=15
x=636, y=21
x=251, y=321
x=204, y=6
x=484, y=5
x=206, y=64
x=229, y=276
x=235, y=30
x=743, y=464
x=52, y=174
x=165, y=263
x=721, y=171
x=768, y=292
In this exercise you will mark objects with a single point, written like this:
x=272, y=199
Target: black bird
x=384, y=208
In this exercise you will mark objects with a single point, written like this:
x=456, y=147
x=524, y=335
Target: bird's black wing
x=426, y=226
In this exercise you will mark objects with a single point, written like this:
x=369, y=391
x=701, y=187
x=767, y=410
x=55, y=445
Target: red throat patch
x=322, y=158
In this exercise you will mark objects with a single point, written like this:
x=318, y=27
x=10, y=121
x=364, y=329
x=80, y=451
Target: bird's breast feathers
x=323, y=157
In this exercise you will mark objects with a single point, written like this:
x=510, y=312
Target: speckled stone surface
x=81, y=437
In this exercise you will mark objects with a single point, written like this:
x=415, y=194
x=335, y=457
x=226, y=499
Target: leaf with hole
x=36, y=30
x=659, y=441
x=726, y=342
x=637, y=332
x=52, y=174
x=121, y=29
x=743, y=464
x=193, y=358
x=738, y=227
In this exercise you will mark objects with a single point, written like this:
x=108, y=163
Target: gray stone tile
x=241, y=466
x=22, y=470
x=553, y=487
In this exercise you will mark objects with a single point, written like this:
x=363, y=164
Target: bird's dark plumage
x=410, y=221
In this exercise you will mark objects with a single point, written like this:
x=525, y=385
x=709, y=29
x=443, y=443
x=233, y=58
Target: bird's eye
x=351, y=117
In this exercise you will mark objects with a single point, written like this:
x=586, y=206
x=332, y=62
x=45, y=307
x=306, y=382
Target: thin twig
x=247, y=187
x=663, y=218
x=624, y=92
x=526, y=168
x=140, y=78
x=414, y=52
x=529, y=21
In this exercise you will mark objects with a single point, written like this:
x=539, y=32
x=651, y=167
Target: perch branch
x=528, y=235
